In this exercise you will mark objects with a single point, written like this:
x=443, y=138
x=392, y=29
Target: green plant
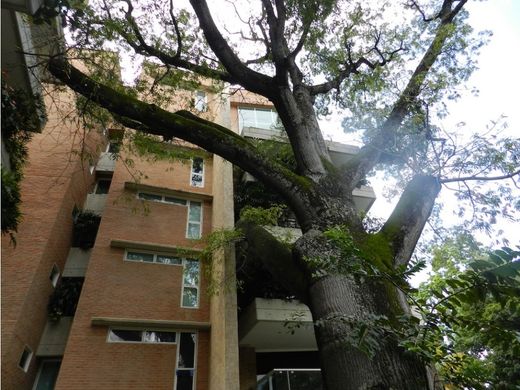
x=64, y=299
x=85, y=229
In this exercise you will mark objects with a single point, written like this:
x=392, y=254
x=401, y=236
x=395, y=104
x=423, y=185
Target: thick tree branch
x=210, y=136
x=248, y=78
x=405, y=225
x=276, y=257
x=371, y=153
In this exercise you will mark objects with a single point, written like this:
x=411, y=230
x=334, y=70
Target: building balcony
x=106, y=163
x=294, y=379
x=276, y=325
x=95, y=203
x=54, y=337
x=77, y=263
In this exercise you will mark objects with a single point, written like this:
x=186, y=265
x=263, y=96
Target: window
x=153, y=258
x=194, y=223
x=114, y=147
x=190, y=283
x=25, y=358
x=54, y=275
x=201, y=101
x=102, y=186
x=161, y=198
x=47, y=375
x=261, y=118
x=197, y=172
x=141, y=336
x=194, y=229
x=186, y=361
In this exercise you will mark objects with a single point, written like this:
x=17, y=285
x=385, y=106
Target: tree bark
x=344, y=366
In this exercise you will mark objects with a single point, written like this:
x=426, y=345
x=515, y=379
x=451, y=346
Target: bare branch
x=371, y=153
x=481, y=178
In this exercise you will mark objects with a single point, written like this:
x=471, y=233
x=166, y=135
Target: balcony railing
x=291, y=379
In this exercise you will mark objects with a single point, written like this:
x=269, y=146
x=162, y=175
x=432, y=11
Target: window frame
x=184, y=261
x=200, y=102
x=183, y=285
x=28, y=359
x=142, y=331
x=197, y=174
x=274, y=115
x=54, y=275
x=200, y=222
x=195, y=360
x=183, y=202
x=155, y=255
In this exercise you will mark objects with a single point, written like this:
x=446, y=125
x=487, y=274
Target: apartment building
x=106, y=289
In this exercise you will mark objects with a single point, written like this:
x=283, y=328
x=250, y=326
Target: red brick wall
x=55, y=180
x=124, y=289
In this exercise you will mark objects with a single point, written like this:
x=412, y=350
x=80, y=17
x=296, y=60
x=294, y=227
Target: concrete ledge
x=150, y=246
x=147, y=323
x=166, y=191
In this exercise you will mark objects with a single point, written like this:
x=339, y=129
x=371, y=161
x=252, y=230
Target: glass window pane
x=164, y=259
x=196, y=180
x=195, y=212
x=145, y=196
x=170, y=199
x=197, y=165
x=246, y=117
x=264, y=120
x=191, y=272
x=186, y=351
x=189, y=297
x=194, y=230
x=158, y=337
x=138, y=256
x=48, y=375
x=102, y=186
x=124, y=335
x=184, y=380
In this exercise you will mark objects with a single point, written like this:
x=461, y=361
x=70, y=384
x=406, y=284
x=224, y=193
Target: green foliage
x=85, y=229
x=471, y=313
x=19, y=118
x=261, y=216
x=217, y=241
x=64, y=299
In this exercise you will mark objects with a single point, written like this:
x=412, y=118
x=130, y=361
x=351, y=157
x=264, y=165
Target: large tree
x=389, y=66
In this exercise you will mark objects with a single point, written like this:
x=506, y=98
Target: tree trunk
x=336, y=303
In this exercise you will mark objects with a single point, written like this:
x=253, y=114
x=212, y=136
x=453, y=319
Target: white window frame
x=195, y=353
x=200, y=102
x=197, y=287
x=155, y=254
x=182, y=202
x=195, y=184
x=194, y=222
x=27, y=362
x=55, y=274
x=187, y=204
x=274, y=116
x=142, y=331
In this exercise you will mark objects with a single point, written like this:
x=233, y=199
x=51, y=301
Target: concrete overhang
x=149, y=323
x=275, y=325
x=25, y=6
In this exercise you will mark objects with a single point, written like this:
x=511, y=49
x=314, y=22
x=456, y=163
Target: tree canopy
x=391, y=68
